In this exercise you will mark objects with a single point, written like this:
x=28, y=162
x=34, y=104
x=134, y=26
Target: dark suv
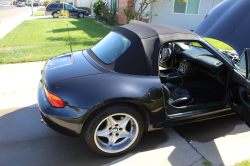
x=53, y=8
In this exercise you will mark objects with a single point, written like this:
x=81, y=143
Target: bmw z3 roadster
x=141, y=77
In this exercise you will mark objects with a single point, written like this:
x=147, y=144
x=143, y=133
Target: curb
x=103, y=24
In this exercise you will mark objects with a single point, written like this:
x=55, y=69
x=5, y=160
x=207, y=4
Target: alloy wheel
x=55, y=15
x=81, y=15
x=116, y=133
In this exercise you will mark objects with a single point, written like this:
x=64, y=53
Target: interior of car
x=191, y=75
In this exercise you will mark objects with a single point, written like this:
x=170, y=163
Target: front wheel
x=114, y=130
x=80, y=15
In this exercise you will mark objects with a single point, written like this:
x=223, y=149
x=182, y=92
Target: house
x=82, y=3
x=6, y=2
x=187, y=14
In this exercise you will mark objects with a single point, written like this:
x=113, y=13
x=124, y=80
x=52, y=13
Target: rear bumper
x=67, y=120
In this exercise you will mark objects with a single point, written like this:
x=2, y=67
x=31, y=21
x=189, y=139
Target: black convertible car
x=116, y=90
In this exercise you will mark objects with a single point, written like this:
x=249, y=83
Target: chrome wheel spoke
x=123, y=123
x=124, y=134
x=111, y=122
x=112, y=140
x=103, y=133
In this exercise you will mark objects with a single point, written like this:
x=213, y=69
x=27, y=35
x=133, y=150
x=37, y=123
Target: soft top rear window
x=111, y=47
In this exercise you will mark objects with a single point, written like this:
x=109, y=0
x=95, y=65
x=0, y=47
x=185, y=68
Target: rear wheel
x=55, y=15
x=80, y=15
x=114, y=130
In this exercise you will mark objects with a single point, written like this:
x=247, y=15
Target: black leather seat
x=176, y=96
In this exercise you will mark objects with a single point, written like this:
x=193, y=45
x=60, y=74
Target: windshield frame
x=230, y=61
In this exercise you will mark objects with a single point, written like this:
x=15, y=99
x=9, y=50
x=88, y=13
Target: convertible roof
x=149, y=30
x=142, y=57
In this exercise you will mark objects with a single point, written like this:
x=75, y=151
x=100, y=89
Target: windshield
x=111, y=47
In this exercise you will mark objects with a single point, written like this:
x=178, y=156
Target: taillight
x=54, y=100
x=47, y=8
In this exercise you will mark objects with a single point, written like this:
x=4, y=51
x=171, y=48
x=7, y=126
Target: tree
x=138, y=15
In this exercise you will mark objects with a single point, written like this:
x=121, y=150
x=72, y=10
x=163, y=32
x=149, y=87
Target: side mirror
x=243, y=64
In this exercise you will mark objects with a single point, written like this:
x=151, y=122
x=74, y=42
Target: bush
x=45, y=3
x=108, y=16
x=128, y=13
x=97, y=7
x=85, y=8
x=64, y=13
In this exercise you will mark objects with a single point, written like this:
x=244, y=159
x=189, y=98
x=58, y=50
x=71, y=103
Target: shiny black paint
x=195, y=117
x=62, y=67
x=86, y=87
x=229, y=23
x=90, y=89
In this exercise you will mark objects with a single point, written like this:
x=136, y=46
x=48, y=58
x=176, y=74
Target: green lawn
x=41, y=39
x=39, y=14
x=243, y=163
x=218, y=44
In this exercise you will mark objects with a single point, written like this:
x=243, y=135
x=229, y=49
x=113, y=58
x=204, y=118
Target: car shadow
x=24, y=140
x=85, y=25
x=203, y=137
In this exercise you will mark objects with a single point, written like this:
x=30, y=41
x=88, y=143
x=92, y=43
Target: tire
x=55, y=15
x=114, y=130
x=80, y=15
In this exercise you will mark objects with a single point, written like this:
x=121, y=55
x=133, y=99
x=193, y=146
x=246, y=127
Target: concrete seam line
x=196, y=150
x=197, y=161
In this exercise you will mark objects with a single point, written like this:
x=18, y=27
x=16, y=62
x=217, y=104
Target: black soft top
x=141, y=58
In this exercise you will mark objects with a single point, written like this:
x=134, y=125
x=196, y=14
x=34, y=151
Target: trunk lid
x=67, y=66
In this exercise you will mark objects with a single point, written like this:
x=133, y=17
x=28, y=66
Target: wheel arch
x=83, y=12
x=142, y=110
x=54, y=11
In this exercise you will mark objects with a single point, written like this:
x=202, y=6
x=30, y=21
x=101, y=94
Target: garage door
x=6, y=2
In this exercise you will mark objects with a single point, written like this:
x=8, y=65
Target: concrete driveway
x=24, y=140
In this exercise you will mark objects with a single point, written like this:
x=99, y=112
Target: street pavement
x=9, y=11
x=24, y=140
x=11, y=16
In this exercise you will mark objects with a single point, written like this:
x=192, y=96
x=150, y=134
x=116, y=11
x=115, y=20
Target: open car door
x=240, y=88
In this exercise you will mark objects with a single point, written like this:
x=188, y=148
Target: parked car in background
x=1, y=5
x=41, y=3
x=71, y=3
x=34, y=4
x=53, y=8
x=20, y=4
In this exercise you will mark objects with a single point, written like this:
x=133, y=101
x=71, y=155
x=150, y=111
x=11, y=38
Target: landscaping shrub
x=97, y=7
x=85, y=8
x=128, y=13
x=46, y=3
x=64, y=13
x=108, y=16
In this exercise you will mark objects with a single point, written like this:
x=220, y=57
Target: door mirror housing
x=247, y=54
x=243, y=65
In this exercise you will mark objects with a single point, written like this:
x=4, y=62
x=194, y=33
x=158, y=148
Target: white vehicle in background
x=41, y=3
x=1, y=5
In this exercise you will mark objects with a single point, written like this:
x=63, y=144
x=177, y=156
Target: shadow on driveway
x=24, y=140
